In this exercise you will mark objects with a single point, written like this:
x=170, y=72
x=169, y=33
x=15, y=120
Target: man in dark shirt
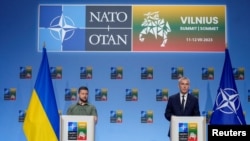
x=83, y=107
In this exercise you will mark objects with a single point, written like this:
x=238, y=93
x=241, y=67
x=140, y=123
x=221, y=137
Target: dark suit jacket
x=174, y=107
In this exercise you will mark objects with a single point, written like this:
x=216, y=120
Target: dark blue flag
x=227, y=107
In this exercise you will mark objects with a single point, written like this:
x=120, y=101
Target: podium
x=188, y=128
x=77, y=128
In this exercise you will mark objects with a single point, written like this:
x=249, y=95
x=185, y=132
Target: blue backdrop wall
x=18, y=48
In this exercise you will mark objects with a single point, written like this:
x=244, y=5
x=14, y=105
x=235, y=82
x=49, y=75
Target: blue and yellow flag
x=227, y=107
x=41, y=122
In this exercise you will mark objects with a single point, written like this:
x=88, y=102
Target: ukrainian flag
x=41, y=121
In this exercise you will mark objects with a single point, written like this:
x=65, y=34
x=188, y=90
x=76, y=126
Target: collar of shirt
x=82, y=104
x=185, y=96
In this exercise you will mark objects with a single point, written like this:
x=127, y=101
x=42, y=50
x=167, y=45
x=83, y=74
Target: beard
x=84, y=100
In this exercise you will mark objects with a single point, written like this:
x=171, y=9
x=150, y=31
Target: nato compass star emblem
x=72, y=126
x=227, y=101
x=183, y=127
x=62, y=28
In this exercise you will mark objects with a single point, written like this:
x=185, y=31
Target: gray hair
x=183, y=78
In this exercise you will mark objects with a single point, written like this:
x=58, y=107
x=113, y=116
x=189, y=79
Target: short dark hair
x=83, y=88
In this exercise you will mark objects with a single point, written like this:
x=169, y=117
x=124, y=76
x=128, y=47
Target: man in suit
x=182, y=103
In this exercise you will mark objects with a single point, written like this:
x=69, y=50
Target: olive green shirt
x=78, y=109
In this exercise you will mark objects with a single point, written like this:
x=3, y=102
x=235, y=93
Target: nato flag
x=227, y=108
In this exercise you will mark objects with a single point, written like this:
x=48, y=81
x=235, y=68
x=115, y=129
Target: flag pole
x=44, y=45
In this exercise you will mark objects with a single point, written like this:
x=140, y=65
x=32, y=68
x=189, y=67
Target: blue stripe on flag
x=45, y=91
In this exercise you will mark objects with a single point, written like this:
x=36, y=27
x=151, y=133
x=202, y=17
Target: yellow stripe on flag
x=36, y=124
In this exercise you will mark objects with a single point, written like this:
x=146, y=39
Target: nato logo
x=239, y=73
x=228, y=101
x=207, y=73
x=116, y=116
x=131, y=94
x=183, y=127
x=21, y=115
x=10, y=94
x=56, y=72
x=61, y=27
x=183, y=131
x=176, y=73
x=101, y=94
x=70, y=94
x=116, y=73
x=147, y=116
x=161, y=94
x=86, y=73
x=72, y=130
x=72, y=126
x=25, y=72
x=146, y=73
